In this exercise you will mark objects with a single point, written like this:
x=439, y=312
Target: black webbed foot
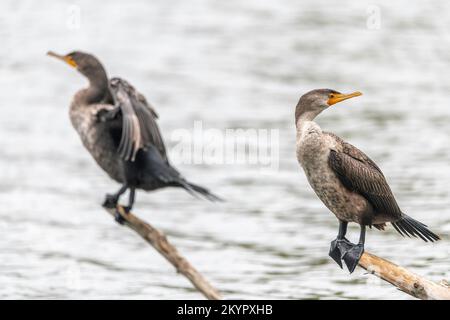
x=352, y=255
x=127, y=209
x=118, y=218
x=335, y=250
x=110, y=201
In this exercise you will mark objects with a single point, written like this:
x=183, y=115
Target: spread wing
x=360, y=174
x=139, y=127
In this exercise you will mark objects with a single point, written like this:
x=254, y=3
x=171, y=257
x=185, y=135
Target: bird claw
x=335, y=252
x=336, y=247
x=110, y=201
x=118, y=218
x=352, y=255
x=342, y=249
x=126, y=209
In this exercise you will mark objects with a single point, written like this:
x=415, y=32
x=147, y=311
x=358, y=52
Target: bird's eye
x=331, y=95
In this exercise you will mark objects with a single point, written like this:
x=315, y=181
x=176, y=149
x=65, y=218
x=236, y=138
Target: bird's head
x=87, y=64
x=315, y=101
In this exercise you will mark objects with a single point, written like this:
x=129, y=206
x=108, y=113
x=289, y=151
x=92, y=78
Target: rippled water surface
x=231, y=64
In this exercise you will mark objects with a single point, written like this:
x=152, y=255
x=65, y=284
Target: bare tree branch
x=404, y=279
x=159, y=241
x=400, y=277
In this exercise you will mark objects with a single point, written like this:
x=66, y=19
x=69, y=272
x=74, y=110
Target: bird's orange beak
x=66, y=59
x=338, y=97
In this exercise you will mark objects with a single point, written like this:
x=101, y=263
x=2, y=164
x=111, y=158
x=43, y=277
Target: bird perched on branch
x=347, y=181
x=118, y=127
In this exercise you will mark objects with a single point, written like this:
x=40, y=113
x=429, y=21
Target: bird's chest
x=97, y=139
x=94, y=134
x=313, y=150
x=84, y=122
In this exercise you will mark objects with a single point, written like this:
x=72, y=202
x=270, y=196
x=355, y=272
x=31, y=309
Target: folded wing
x=360, y=174
x=139, y=127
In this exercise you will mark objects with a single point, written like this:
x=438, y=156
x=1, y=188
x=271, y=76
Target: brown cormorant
x=118, y=127
x=347, y=181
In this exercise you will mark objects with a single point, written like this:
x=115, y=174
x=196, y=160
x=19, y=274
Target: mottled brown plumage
x=118, y=127
x=358, y=173
x=349, y=183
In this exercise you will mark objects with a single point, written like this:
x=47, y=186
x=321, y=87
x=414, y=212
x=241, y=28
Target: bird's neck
x=303, y=118
x=305, y=126
x=97, y=91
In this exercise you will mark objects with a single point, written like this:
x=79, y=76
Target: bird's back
x=361, y=175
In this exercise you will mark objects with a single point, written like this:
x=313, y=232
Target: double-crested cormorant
x=347, y=181
x=118, y=127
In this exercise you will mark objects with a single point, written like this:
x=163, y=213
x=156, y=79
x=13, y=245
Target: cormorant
x=118, y=127
x=347, y=181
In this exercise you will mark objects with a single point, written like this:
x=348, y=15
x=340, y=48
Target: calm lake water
x=231, y=65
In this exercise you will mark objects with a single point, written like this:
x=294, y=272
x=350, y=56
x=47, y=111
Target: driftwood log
x=404, y=279
x=159, y=241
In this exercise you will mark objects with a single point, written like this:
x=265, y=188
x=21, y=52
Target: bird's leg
x=130, y=201
x=335, y=251
x=111, y=200
x=352, y=255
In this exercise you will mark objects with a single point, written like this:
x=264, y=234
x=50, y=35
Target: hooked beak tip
x=53, y=54
x=341, y=97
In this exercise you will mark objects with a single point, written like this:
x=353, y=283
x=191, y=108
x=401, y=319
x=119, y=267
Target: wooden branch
x=403, y=279
x=159, y=241
x=400, y=277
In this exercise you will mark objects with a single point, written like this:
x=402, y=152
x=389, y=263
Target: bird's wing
x=360, y=174
x=139, y=127
x=145, y=103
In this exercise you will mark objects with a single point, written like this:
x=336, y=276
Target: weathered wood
x=404, y=279
x=159, y=241
x=400, y=277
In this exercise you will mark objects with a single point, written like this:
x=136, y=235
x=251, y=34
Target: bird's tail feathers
x=196, y=190
x=411, y=227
